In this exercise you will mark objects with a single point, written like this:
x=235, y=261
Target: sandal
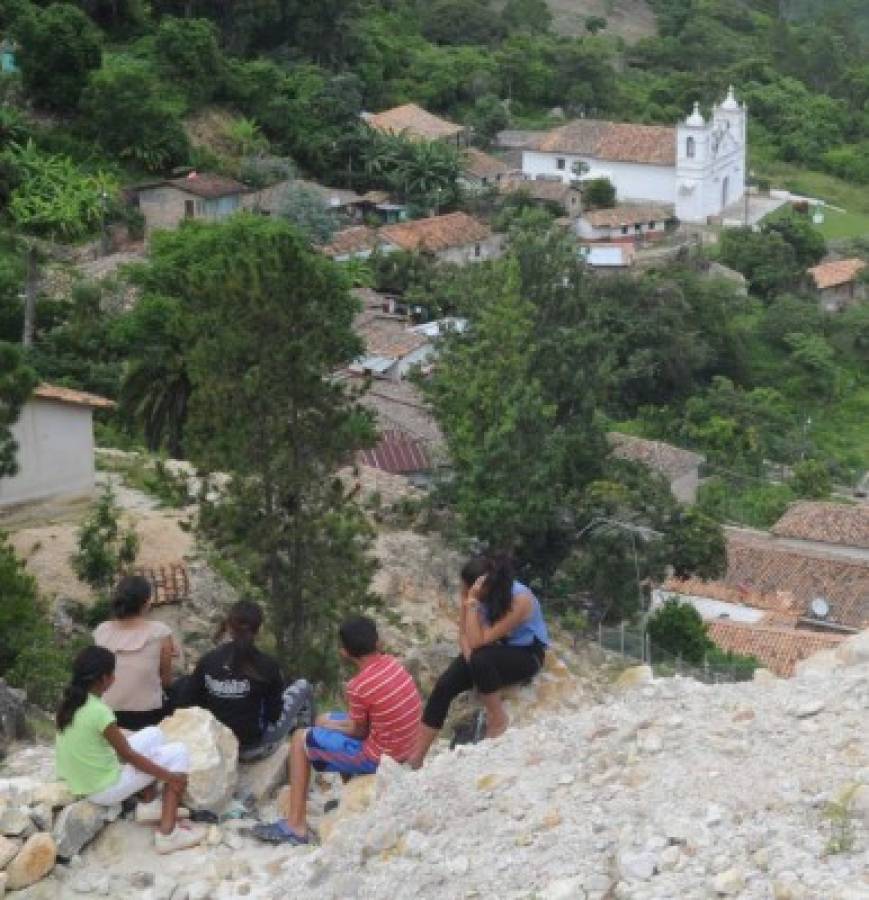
x=279, y=833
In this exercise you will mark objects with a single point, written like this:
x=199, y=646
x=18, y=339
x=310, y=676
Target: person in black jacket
x=244, y=688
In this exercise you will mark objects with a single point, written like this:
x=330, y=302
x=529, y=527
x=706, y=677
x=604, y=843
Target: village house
x=417, y=124
x=837, y=284
x=392, y=347
x=787, y=593
x=55, y=441
x=626, y=224
x=482, y=170
x=199, y=195
x=455, y=237
x=550, y=192
x=698, y=166
x=681, y=468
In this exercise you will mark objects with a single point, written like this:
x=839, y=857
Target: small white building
x=697, y=166
x=626, y=224
x=55, y=438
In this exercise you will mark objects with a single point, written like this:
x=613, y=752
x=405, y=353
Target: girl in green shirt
x=97, y=760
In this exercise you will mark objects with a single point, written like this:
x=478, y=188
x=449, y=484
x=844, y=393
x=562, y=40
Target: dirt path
x=44, y=536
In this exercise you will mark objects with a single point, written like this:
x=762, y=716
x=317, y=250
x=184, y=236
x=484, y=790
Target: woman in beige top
x=143, y=650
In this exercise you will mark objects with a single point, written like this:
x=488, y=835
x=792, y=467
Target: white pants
x=152, y=744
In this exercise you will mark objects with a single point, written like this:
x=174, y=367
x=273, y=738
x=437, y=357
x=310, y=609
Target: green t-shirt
x=85, y=760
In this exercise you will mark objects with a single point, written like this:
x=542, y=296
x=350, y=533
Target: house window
x=651, y=226
x=477, y=250
x=560, y=163
x=624, y=229
x=188, y=209
x=638, y=227
x=689, y=148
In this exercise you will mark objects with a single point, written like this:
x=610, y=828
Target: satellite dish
x=820, y=608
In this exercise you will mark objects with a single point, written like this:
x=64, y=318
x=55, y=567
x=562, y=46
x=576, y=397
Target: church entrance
x=725, y=191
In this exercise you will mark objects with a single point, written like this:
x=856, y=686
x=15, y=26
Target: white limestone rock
x=33, y=862
x=213, y=752
x=78, y=824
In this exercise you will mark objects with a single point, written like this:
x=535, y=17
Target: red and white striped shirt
x=384, y=697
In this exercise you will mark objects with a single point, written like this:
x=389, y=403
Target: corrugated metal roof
x=397, y=453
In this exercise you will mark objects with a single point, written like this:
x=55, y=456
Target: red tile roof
x=619, y=216
x=549, y=190
x=436, y=233
x=414, y=121
x=832, y=274
x=776, y=647
x=352, y=240
x=398, y=453
x=614, y=141
x=831, y=523
x=210, y=187
x=483, y=165
x=781, y=604
x=73, y=397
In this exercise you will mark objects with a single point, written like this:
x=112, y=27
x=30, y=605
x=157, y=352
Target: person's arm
x=478, y=634
x=348, y=726
x=167, y=653
x=127, y=754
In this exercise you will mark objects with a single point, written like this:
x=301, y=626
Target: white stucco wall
x=633, y=181
x=710, y=609
x=489, y=249
x=55, y=452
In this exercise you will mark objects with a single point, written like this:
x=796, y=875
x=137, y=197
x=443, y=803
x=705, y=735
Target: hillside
x=627, y=19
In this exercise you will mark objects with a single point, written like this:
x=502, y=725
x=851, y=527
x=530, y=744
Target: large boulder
x=33, y=862
x=213, y=752
x=260, y=779
x=79, y=824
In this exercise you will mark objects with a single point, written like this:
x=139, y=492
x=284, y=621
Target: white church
x=697, y=167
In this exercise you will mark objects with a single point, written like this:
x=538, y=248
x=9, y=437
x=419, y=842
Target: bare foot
x=496, y=727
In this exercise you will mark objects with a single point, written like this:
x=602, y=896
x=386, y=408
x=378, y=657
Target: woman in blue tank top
x=502, y=641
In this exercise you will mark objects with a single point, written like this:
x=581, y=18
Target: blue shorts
x=331, y=751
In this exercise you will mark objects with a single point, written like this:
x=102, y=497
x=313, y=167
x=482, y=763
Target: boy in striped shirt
x=384, y=710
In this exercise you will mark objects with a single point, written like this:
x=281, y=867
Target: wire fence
x=635, y=643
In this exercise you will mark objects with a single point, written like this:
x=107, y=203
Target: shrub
x=678, y=629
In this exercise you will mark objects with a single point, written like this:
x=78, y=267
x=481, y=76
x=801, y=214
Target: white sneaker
x=150, y=813
x=181, y=837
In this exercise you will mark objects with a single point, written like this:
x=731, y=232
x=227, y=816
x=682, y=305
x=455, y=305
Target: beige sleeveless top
x=136, y=646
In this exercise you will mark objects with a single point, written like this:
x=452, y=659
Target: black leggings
x=489, y=669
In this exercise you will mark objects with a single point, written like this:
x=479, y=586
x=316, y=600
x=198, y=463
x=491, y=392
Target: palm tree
x=156, y=393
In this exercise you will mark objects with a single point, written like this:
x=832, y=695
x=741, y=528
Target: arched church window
x=689, y=148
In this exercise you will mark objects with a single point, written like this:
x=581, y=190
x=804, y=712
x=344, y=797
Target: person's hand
x=177, y=782
x=476, y=592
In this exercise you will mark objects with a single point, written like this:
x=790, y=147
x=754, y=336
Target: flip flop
x=278, y=833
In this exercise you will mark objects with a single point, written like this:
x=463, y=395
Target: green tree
x=130, y=113
x=498, y=427
x=105, y=548
x=766, y=259
x=808, y=243
x=58, y=48
x=594, y=24
x=529, y=16
x=598, y=193
x=155, y=391
x=272, y=321
x=487, y=118
x=190, y=57
x=696, y=546
x=678, y=629
x=811, y=479
x=17, y=381
x=458, y=21
x=306, y=208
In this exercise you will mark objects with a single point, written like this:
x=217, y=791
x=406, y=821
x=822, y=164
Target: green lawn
x=841, y=429
x=844, y=225
x=850, y=196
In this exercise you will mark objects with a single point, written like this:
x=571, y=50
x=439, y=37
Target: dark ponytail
x=498, y=595
x=243, y=623
x=131, y=594
x=91, y=664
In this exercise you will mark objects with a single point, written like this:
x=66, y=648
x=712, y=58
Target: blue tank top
x=533, y=627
